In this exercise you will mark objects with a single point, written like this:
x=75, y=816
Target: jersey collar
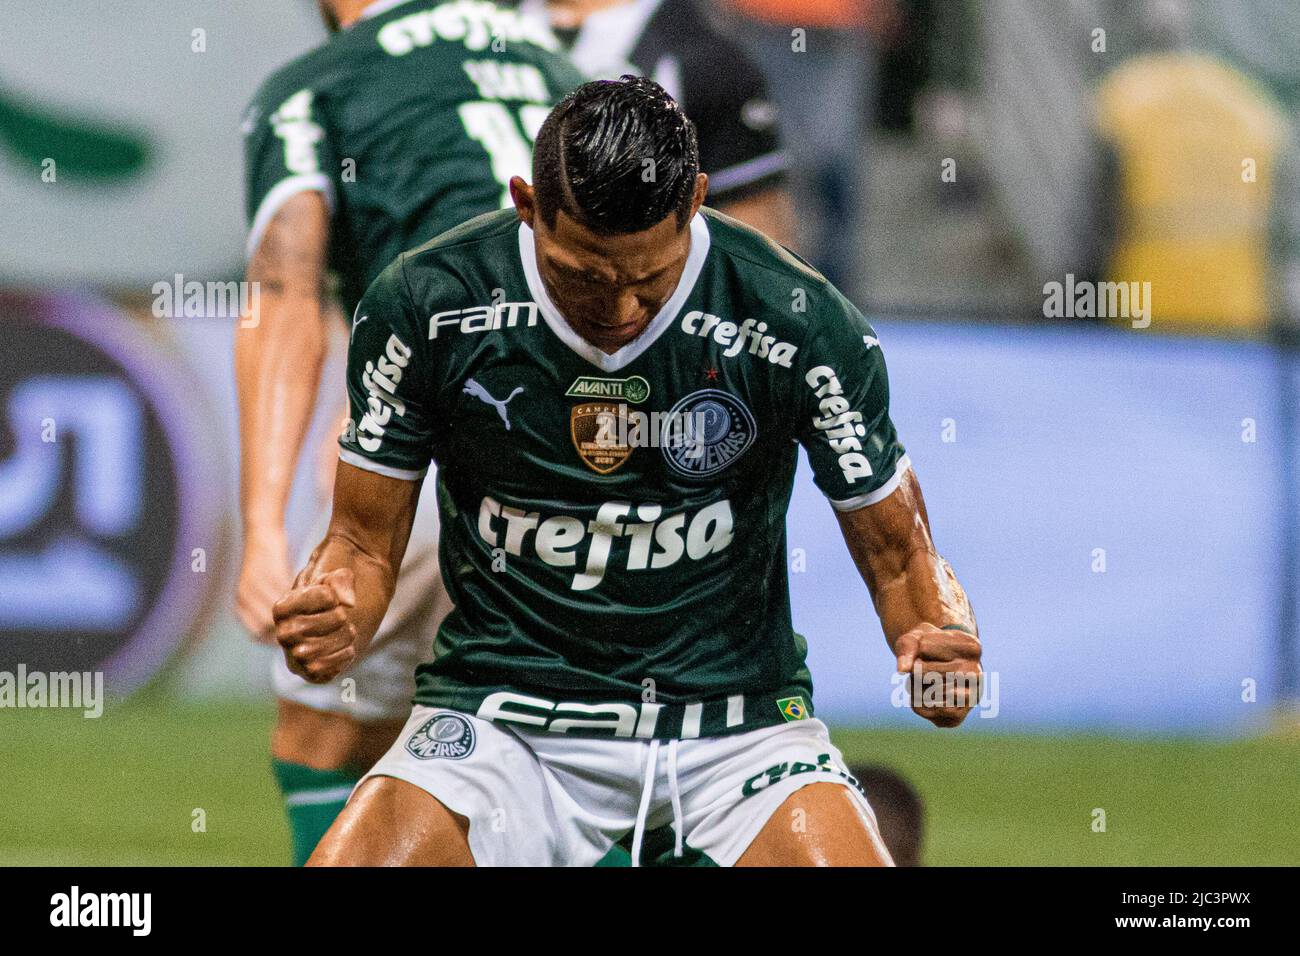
x=667, y=315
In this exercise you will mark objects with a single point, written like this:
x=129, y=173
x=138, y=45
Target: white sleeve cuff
x=285, y=190
x=365, y=464
x=902, y=467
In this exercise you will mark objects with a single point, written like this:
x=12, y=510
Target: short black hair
x=618, y=156
x=900, y=812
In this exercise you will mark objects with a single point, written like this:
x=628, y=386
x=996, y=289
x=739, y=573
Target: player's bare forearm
x=910, y=583
x=339, y=599
x=923, y=609
x=278, y=356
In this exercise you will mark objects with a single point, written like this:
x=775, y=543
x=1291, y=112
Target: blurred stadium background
x=1122, y=503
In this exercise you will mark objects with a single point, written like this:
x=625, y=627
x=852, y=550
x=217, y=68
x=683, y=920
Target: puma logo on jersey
x=478, y=391
x=381, y=380
x=843, y=428
x=735, y=337
x=654, y=542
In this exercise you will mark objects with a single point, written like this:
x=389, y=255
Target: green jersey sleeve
x=390, y=387
x=843, y=408
x=286, y=151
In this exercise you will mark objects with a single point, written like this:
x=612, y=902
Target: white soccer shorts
x=384, y=678
x=537, y=798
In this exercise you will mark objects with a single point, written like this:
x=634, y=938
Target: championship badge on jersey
x=599, y=435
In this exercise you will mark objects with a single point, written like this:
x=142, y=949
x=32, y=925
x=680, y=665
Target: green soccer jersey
x=410, y=121
x=613, y=526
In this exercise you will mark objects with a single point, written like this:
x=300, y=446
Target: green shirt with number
x=409, y=122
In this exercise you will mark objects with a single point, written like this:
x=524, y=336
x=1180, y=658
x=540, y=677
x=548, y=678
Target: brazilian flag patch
x=792, y=708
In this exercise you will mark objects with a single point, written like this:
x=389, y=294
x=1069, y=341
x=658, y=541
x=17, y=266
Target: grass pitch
x=154, y=783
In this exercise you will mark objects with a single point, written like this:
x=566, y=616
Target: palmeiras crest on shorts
x=717, y=429
x=601, y=443
x=443, y=735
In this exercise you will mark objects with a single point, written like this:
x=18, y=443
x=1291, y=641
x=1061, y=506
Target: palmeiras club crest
x=718, y=428
x=445, y=734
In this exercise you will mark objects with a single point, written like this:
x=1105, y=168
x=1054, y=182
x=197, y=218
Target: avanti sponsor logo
x=643, y=720
x=634, y=389
x=654, y=541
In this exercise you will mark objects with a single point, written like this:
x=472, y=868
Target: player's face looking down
x=608, y=287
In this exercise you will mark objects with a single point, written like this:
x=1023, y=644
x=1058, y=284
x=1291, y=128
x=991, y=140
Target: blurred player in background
x=675, y=44
x=412, y=118
x=899, y=810
x=1202, y=241
x=820, y=60
x=621, y=620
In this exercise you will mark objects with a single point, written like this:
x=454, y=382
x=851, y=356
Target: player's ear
x=701, y=190
x=521, y=194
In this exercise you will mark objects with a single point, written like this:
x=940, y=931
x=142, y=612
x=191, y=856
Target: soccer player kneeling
x=620, y=663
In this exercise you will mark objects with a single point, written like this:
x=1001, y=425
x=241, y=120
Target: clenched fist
x=952, y=659
x=311, y=624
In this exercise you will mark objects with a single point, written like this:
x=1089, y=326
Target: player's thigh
x=389, y=822
x=821, y=824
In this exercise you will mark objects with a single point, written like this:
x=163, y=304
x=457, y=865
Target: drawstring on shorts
x=647, y=790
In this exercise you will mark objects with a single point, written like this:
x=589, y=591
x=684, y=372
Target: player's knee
x=389, y=822
x=820, y=824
